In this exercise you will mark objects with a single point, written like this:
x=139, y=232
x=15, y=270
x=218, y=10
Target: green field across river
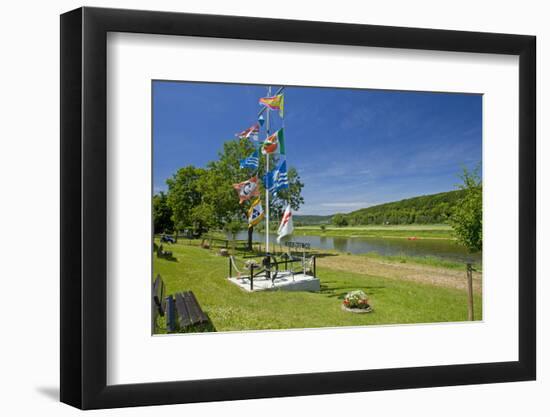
x=426, y=231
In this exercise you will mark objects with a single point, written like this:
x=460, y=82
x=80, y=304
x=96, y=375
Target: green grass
x=230, y=308
x=423, y=260
x=426, y=231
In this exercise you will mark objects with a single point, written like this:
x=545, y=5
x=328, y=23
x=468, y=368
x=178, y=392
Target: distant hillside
x=434, y=208
x=308, y=220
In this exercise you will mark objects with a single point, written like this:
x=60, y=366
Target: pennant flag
x=286, y=227
x=251, y=162
x=274, y=103
x=277, y=179
x=250, y=133
x=247, y=189
x=255, y=213
x=275, y=143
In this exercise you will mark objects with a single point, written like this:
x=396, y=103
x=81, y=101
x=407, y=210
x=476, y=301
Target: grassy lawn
x=422, y=260
x=230, y=308
x=426, y=231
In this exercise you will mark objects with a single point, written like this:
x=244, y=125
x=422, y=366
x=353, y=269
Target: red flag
x=250, y=133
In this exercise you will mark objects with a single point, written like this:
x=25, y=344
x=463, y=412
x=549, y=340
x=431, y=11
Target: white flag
x=286, y=227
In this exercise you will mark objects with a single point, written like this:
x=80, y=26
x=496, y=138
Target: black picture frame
x=84, y=207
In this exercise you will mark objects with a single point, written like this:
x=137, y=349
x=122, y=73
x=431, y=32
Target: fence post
x=230, y=267
x=314, y=266
x=251, y=277
x=470, y=292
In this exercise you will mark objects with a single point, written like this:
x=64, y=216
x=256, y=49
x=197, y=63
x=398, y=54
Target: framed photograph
x=260, y=208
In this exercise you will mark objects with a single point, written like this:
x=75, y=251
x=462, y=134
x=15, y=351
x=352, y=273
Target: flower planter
x=367, y=309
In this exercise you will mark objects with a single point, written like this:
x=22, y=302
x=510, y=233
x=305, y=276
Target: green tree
x=291, y=195
x=339, y=220
x=184, y=194
x=226, y=172
x=467, y=217
x=205, y=198
x=202, y=217
x=233, y=227
x=162, y=214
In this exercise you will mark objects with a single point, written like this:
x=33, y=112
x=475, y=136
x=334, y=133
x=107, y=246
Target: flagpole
x=266, y=190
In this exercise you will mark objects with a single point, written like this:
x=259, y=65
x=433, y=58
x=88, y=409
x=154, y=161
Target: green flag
x=275, y=143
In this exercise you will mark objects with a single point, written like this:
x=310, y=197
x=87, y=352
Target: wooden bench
x=161, y=253
x=188, y=310
x=182, y=310
x=158, y=295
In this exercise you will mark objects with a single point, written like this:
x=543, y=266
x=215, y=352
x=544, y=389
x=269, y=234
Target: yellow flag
x=255, y=213
x=274, y=103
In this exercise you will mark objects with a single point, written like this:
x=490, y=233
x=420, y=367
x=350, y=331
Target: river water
x=438, y=248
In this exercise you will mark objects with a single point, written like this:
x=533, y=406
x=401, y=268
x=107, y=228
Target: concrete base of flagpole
x=285, y=281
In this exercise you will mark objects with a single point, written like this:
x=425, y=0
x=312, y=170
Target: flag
x=277, y=179
x=251, y=162
x=250, y=133
x=286, y=227
x=255, y=213
x=274, y=103
x=275, y=143
x=247, y=189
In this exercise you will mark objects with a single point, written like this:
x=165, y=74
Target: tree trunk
x=250, y=232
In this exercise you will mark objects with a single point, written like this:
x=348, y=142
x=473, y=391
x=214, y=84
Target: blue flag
x=251, y=162
x=277, y=179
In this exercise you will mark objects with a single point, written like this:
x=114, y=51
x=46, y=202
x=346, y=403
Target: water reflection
x=338, y=243
x=440, y=248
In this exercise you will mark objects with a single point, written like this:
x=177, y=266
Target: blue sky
x=352, y=148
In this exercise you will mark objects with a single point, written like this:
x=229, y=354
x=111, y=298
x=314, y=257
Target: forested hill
x=307, y=219
x=434, y=208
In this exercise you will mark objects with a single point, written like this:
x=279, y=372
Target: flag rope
x=267, y=190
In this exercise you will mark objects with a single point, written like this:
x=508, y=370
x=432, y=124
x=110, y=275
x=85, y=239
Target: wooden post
x=230, y=267
x=314, y=266
x=251, y=276
x=470, y=292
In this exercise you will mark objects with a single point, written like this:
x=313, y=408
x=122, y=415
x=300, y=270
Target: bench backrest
x=159, y=290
